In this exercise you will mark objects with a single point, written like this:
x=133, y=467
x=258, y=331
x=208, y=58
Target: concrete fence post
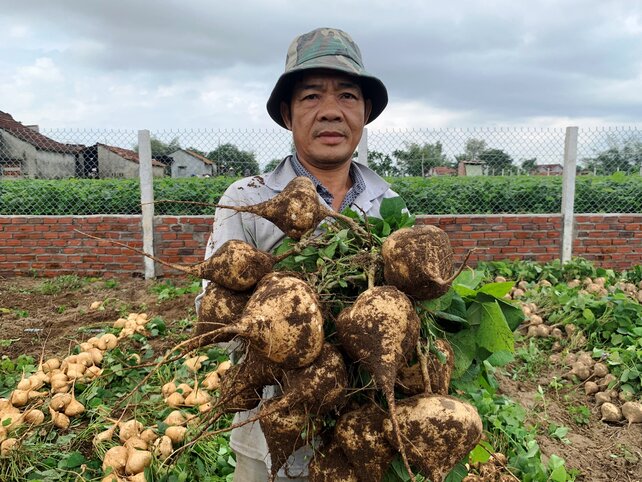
x=362, y=148
x=147, y=199
x=568, y=192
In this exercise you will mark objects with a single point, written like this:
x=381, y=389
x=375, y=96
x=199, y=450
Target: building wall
x=49, y=246
x=112, y=165
x=191, y=165
x=38, y=164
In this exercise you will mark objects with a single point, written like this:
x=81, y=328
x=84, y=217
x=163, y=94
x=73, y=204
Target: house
x=471, y=168
x=548, y=170
x=25, y=153
x=186, y=163
x=442, y=171
x=104, y=161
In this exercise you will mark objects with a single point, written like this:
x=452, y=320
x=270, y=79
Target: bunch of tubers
x=282, y=321
x=301, y=339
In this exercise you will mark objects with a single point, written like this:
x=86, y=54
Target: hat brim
x=373, y=89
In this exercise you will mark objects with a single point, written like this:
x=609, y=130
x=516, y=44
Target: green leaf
x=465, y=347
x=469, y=278
x=513, y=314
x=481, y=453
x=465, y=291
x=497, y=290
x=450, y=317
x=73, y=460
x=494, y=333
x=501, y=358
x=438, y=304
x=391, y=209
x=588, y=315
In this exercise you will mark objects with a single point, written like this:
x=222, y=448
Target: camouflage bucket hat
x=325, y=48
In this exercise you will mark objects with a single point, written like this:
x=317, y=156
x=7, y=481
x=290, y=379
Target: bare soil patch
x=600, y=451
x=38, y=314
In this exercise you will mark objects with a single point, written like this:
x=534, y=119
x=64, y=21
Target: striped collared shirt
x=358, y=184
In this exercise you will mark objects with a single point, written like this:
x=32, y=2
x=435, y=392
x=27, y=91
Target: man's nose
x=329, y=109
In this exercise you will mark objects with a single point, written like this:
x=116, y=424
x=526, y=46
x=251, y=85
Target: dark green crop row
x=437, y=195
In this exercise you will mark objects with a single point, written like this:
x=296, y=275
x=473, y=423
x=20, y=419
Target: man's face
x=326, y=116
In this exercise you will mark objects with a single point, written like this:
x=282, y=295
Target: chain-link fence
x=437, y=171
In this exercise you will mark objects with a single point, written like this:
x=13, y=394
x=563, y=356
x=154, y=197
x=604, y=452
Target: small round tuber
x=610, y=412
x=632, y=412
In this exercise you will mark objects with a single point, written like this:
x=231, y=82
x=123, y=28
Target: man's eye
x=348, y=95
x=311, y=97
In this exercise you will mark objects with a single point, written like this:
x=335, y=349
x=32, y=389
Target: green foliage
x=68, y=456
x=477, y=321
x=505, y=423
x=232, y=161
x=382, y=164
x=436, y=195
x=554, y=272
x=11, y=371
x=416, y=159
x=167, y=290
x=62, y=283
x=496, y=161
x=620, y=156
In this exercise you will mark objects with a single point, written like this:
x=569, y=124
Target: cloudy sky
x=163, y=64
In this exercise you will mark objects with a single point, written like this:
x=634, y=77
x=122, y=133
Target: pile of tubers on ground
x=47, y=396
x=613, y=405
x=357, y=373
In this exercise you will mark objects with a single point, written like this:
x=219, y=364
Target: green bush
x=437, y=195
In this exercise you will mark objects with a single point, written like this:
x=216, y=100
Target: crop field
x=539, y=366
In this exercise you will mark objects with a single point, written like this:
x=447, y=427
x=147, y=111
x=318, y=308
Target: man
x=325, y=97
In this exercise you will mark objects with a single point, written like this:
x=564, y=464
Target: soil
x=599, y=451
x=32, y=322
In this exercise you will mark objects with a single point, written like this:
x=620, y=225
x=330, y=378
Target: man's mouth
x=331, y=137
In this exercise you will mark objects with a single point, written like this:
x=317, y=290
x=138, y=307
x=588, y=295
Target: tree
x=382, y=164
x=474, y=147
x=160, y=148
x=232, y=161
x=624, y=156
x=416, y=160
x=496, y=161
x=529, y=165
x=270, y=166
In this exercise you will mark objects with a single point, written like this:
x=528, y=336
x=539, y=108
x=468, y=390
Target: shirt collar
x=358, y=183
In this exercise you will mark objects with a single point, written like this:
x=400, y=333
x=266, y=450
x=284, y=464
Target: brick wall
x=49, y=246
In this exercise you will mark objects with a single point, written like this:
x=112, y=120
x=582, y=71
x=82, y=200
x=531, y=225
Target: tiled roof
x=128, y=154
x=24, y=133
x=198, y=156
x=195, y=155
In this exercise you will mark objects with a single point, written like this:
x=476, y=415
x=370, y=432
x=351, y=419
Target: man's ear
x=368, y=110
x=285, y=115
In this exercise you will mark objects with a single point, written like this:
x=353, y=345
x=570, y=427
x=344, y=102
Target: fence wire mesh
x=437, y=171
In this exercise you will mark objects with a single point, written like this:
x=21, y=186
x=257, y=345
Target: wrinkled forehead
x=320, y=77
